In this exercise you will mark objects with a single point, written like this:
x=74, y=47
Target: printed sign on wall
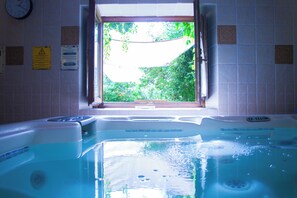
x=41, y=58
x=69, y=57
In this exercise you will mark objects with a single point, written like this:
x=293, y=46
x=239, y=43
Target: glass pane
x=149, y=61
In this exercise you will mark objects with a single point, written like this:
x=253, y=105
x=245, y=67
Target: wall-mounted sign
x=69, y=35
x=2, y=59
x=14, y=55
x=41, y=58
x=69, y=57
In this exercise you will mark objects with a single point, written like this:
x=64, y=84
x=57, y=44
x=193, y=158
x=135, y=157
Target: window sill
x=151, y=112
x=148, y=104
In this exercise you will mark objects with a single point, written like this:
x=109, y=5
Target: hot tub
x=133, y=156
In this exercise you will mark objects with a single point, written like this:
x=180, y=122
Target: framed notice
x=69, y=57
x=14, y=55
x=41, y=58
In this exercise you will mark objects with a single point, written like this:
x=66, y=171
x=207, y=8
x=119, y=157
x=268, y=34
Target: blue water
x=241, y=165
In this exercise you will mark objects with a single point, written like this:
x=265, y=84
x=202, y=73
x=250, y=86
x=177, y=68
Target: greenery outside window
x=146, y=61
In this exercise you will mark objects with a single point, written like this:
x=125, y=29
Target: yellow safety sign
x=41, y=58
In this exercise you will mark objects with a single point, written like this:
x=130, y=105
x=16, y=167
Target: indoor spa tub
x=152, y=157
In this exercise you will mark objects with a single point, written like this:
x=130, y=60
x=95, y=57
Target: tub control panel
x=83, y=120
x=258, y=119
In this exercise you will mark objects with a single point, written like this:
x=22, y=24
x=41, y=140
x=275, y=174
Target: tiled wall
x=30, y=94
x=249, y=80
x=244, y=78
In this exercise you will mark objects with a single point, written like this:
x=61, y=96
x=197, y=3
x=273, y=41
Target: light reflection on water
x=241, y=166
x=170, y=166
x=183, y=168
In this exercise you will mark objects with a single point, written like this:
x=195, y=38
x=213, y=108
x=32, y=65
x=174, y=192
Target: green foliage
x=123, y=28
x=175, y=82
x=171, y=31
x=120, y=91
x=187, y=28
x=172, y=83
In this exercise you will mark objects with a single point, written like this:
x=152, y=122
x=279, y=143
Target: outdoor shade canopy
x=123, y=65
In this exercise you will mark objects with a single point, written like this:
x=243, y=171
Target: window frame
x=90, y=62
x=99, y=101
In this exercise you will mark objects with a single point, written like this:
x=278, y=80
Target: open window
x=145, y=55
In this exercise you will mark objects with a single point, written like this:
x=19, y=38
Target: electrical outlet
x=2, y=59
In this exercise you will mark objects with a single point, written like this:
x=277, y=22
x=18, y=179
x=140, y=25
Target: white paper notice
x=69, y=57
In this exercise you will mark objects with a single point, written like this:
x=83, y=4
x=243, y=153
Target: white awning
x=123, y=66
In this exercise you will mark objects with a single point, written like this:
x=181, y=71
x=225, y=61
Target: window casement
x=99, y=69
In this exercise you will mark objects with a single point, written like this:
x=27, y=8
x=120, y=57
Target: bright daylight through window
x=148, y=61
x=148, y=57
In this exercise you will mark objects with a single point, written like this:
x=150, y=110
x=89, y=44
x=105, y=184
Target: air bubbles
x=271, y=166
x=235, y=156
x=142, y=178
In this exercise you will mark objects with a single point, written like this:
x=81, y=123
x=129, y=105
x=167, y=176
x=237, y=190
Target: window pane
x=149, y=61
